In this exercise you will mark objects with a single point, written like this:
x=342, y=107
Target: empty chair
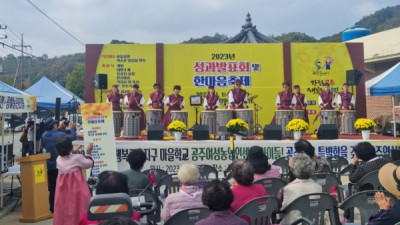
x=158, y=173
x=207, y=170
x=188, y=216
x=368, y=182
x=364, y=201
x=272, y=185
x=259, y=211
x=167, y=185
x=337, y=163
x=283, y=163
x=313, y=206
x=328, y=182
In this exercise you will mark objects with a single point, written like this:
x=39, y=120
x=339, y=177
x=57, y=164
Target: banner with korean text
x=168, y=155
x=12, y=103
x=97, y=119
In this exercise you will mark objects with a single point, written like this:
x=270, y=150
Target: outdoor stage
x=168, y=155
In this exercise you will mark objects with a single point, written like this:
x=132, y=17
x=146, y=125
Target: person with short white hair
x=302, y=168
x=188, y=196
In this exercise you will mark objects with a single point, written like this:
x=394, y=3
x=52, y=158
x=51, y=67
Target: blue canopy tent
x=46, y=93
x=386, y=84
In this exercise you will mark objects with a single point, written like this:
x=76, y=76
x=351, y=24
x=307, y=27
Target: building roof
x=249, y=34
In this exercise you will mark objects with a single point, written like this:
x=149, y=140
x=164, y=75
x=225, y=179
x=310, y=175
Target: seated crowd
x=224, y=198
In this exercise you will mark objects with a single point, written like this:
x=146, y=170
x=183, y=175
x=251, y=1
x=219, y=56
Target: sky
x=167, y=21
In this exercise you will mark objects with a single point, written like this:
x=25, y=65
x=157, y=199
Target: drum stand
x=257, y=126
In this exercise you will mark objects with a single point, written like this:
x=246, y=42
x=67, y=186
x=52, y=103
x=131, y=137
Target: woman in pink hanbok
x=72, y=192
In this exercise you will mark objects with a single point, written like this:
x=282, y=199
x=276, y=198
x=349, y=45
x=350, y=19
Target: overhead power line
x=62, y=28
x=16, y=49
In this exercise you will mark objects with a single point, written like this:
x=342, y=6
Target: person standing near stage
x=345, y=99
x=174, y=102
x=326, y=99
x=156, y=98
x=237, y=97
x=135, y=101
x=284, y=99
x=115, y=98
x=211, y=102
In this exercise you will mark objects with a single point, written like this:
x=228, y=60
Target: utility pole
x=22, y=46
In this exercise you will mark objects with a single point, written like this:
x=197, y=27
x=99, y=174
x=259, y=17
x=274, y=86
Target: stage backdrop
x=261, y=67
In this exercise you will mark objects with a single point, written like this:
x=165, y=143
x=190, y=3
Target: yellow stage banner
x=125, y=65
x=196, y=66
x=97, y=119
x=316, y=64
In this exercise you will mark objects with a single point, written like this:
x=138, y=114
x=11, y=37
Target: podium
x=35, y=195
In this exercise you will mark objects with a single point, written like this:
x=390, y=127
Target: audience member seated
x=302, y=168
x=110, y=182
x=136, y=179
x=243, y=188
x=366, y=152
x=218, y=196
x=389, y=176
x=259, y=161
x=320, y=164
x=188, y=196
x=118, y=221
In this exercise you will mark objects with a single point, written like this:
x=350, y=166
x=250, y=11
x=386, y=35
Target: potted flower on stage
x=237, y=126
x=365, y=125
x=297, y=126
x=177, y=128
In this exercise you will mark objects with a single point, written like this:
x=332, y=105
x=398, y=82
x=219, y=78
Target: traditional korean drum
x=283, y=117
x=299, y=114
x=117, y=119
x=209, y=118
x=153, y=117
x=247, y=116
x=182, y=116
x=132, y=124
x=347, y=120
x=329, y=117
x=223, y=116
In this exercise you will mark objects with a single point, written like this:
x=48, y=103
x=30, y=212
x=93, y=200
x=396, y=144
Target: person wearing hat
x=237, y=97
x=135, y=101
x=175, y=102
x=326, y=98
x=49, y=138
x=345, y=99
x=389, y=177
x=285, y=97
x=259, y=161
x=211, y=101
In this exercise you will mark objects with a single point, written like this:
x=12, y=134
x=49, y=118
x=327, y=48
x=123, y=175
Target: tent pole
x=394, y=117
x=1, y=160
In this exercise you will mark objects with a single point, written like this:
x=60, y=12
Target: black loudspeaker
x=200, y=132
x=273, y=132
x=100, y=81
x=58, y=107
x=328, y=131
x=155, y=132
x=353, y=77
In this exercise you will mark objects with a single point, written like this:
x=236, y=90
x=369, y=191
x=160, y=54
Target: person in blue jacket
x=49, y=138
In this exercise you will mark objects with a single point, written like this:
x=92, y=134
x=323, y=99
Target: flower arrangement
x=364, y=124
x=297, y=125
x=237, y=126
x=177, y=126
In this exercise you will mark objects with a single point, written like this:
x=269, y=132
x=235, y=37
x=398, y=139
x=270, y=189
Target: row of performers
x=237, y=98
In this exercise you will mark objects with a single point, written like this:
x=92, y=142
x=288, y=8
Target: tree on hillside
x=76, y=80
x=217, y=38
x=294, y=37
x=120, y=42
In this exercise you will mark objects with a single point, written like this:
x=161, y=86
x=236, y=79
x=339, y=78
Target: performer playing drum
x=156, y=98
x=237, y=97
x=135, y=102
x=211, y=103
x=116, y=99
x=346, y=104
x=299, y=104
x=284, y=99
x=326, y=101
x=174, y=102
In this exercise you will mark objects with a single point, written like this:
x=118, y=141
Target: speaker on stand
x=100, y=82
